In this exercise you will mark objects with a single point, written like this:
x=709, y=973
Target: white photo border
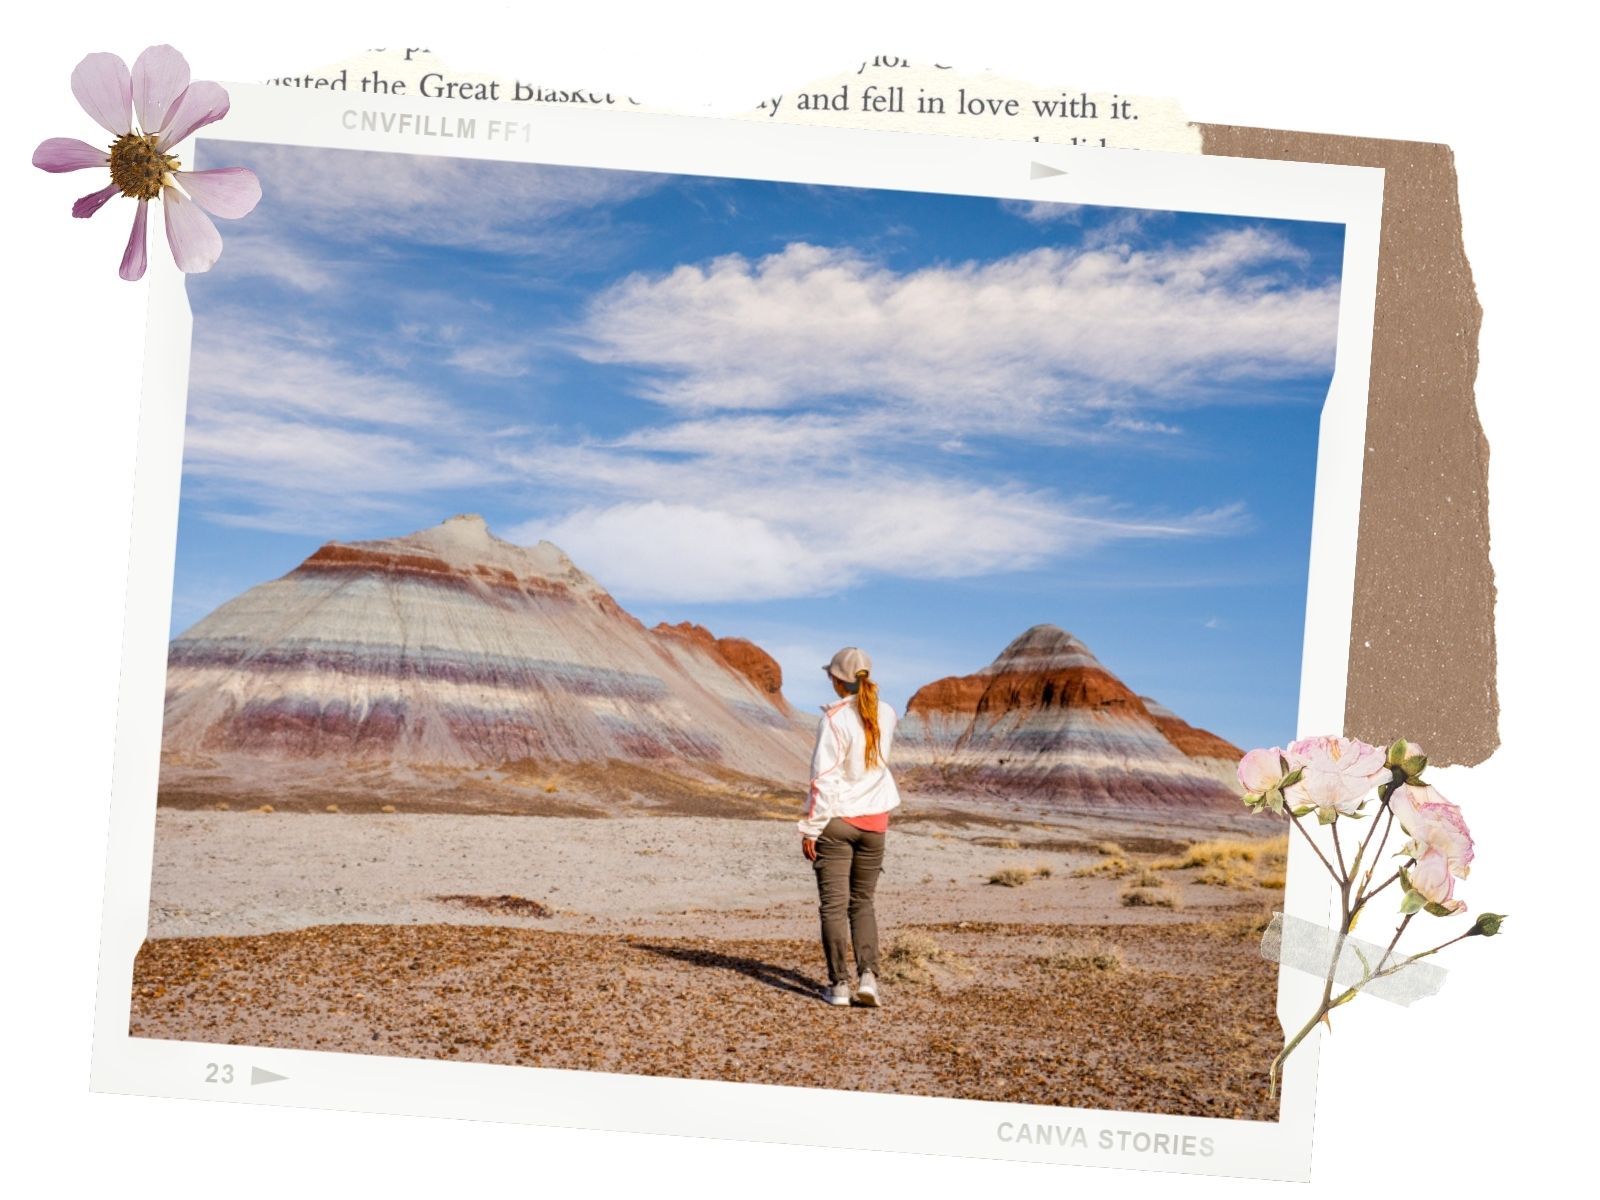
x=708, y=146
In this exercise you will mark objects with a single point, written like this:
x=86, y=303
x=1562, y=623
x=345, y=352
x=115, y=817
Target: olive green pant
x=848, y=863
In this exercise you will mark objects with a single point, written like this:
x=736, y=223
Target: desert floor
x=687, y=945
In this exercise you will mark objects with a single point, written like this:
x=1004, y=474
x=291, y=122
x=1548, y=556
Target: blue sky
x=808, y=416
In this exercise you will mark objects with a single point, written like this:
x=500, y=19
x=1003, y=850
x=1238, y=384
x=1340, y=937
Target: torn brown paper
x=1422, y=646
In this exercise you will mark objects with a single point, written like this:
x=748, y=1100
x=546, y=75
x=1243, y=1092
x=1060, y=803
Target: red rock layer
x=743, y=655
x=1196, y=743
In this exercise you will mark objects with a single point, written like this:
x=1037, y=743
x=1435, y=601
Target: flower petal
x=102, y=86
x=224, y=191
x=87, y=206
x=1261, y=769
x=194, y=240
x=133, y=258
x=68, y=154
x=160, y=76
x=202, y=102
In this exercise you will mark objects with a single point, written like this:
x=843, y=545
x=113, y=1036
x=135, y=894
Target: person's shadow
x=778, y=977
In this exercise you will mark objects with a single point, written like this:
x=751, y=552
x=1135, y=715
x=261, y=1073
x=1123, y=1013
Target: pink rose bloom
x=1440, y=842
x=1337, y=774
x=142, y=168
x=1433, y=880
x=1435, y=825
x=1261, y=769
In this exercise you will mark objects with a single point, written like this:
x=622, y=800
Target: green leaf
x=1366, y=967
x=1303, y=809
x=1412, y=903
x=1438, y=910
x=1292, y=778
x=1327, y=816
x=1397, y=752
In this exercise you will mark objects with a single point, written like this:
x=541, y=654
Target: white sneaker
x=867, y=990
x=837, y=993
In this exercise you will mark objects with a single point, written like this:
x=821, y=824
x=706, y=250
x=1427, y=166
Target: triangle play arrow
x=1041, y=170
x=257, y=1075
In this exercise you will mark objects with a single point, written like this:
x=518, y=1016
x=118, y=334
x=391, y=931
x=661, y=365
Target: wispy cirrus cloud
x=720, y=524
x=287, y=433
x=388, y=200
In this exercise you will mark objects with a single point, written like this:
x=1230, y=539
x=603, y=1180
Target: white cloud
x=1045, y=212
x=720, y=526
x=1006, y=346
x=250, y=253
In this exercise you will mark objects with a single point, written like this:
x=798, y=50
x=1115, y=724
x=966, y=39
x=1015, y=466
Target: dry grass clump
x=266, y=808
x=1009, y=844
x=388, y=808
x=909, y=954
x=1087, y=954
x=1017, y=876
x=1150, y=897
x=1113, y=866
x=515, y=905
x=1148, y=878
x=1233, y=862
x=1245, y=927
x=331, y=808
x=1111, y=850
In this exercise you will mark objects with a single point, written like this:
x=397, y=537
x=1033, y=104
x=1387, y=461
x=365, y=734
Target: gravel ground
x=686, y=945
x=1186, y=1026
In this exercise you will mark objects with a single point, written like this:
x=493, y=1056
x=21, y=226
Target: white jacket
x=841, y=784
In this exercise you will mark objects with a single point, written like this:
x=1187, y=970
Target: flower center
x=137, y=167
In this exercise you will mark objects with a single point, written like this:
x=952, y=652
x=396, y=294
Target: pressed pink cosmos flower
x=169, y=108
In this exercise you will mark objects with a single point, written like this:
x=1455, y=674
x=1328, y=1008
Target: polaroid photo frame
x=1017, y=172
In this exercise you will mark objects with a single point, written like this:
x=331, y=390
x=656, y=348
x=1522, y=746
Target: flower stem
x=1295, y=821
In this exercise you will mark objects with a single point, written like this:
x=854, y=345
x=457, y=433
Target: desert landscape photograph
x=521, y=509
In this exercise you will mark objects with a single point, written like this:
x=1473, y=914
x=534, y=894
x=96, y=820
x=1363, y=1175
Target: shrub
x=1247, y=927
x=1087, y=954
x=1011, y=876
x=1112, y=867
x=1232, y=862
x=908, y=954
x=1111, y=850
x=1150, y=897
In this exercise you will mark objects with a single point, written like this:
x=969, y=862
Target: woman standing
x=847, y=815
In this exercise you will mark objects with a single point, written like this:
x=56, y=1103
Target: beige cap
x=848, y=663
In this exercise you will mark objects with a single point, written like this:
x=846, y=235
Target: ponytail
x=867, y=708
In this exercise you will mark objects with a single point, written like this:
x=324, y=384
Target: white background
x=1486, y=1085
